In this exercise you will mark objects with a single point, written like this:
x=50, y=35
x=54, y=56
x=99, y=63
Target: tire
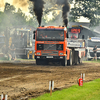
x=64, y=62
x=70, y=61
x=38, y=62
x=41, y=62
x=76, y=57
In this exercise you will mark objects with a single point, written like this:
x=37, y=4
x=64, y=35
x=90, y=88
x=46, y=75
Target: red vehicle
x=53, y=45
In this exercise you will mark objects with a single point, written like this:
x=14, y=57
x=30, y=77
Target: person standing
x=13, y=52
x=95, y=52
x=73, y=37
x=86, y=53
x=9, y=53
x=86, y=50
x=4, y=50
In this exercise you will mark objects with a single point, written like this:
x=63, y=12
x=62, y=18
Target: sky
x=17, y=3
x=24, y=7
x=82, y=19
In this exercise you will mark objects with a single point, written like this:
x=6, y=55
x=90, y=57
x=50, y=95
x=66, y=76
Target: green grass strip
x=94, y=61
x=89, y=91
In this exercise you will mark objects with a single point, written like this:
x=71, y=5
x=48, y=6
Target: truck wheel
x=80, y=60
x=76, y=57
x=38, y=62
x=41, y=62
x=27, y=55
x=33, y=55
x=64, y=62
x=70, y=61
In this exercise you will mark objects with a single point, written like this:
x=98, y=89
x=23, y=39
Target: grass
x=89, y=91
x=94, y=61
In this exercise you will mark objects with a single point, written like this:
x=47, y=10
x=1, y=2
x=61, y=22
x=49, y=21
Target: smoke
x=38, y=9
x=65, y=9
x=23, y=4
x=39, y=5
x=2, y=4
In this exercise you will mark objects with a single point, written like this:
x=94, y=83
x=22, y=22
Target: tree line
x=89, y=9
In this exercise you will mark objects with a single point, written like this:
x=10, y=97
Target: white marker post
x=2, y=96
x=51, y=86
x=83, y=76
x=6, y=97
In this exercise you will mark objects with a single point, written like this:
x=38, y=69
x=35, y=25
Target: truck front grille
x=49, y=46
x=49, y=53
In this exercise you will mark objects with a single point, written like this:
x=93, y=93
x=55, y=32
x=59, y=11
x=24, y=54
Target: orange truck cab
x=52, y=45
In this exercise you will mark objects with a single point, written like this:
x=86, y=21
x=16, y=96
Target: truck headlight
x=61, y=53
x=38, y=53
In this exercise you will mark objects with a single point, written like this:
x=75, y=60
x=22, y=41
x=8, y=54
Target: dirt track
x=24, y=80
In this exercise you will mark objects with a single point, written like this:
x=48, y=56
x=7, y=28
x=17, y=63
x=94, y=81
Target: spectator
x=13, y=52
x=73, y=37
x=61, y=34
x=95, y=53
x=4, y=50
x=86, y=53
x=86, y=50
x=9, y=53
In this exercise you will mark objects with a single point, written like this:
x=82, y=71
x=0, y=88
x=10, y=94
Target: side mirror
x=34, y=34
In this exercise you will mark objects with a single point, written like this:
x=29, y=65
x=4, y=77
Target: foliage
x=10, y=17
x=50, y=9
x=89, y=9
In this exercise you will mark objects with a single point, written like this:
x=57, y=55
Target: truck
x=54, y=44
x=91, y=42
x=23, y=42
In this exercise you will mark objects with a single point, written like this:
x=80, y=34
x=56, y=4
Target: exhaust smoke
x=39, y=5
x=38, y=9
x=65, y=10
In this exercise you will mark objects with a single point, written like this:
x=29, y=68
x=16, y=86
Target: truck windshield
x=92, y=44
x=50, y=35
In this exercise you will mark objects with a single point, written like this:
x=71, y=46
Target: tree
x=10, y=18
x=50, y=9
x=89, y=9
